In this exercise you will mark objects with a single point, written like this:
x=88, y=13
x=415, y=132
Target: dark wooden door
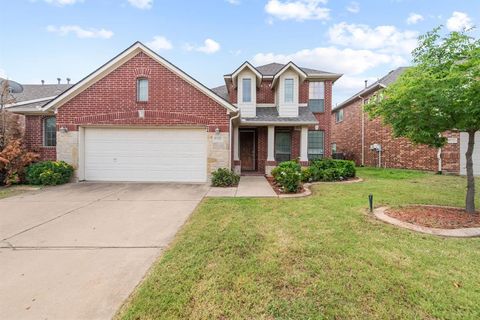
x=247, y=150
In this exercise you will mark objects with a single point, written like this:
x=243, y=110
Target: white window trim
x=251, y=90
x=44, y=136
x=139, y=79
x=337, y=118
x=285, y=90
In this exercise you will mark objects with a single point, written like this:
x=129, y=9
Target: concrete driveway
x=77, y=251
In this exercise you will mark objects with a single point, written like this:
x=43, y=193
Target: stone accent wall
x=396, y=152
x=218, y=151
x=67, y=147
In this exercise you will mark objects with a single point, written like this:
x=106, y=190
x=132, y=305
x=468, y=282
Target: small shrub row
x=288, y=175
x=329, y=170
x=223, y=177
x=49, y=173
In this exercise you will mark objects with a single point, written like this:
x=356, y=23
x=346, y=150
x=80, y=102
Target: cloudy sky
x=363, y=39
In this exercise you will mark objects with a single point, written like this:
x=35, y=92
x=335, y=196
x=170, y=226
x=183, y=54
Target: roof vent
x=59, y=79
x=43, y=82
x=366, y=83
x=68, y=80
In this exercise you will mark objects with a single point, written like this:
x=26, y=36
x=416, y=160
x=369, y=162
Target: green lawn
x=321, y=257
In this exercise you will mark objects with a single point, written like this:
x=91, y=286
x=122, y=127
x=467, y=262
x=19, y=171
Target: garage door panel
x=145, y=154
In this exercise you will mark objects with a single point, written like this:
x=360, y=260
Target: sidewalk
x=249, y=186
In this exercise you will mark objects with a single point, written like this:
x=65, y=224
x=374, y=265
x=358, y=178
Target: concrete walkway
x=249, y=186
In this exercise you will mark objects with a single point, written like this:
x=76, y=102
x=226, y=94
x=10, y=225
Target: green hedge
x=223, y=177
x=49, y=173
x=329, y=170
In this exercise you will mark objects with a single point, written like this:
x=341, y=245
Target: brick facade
x=396, y=152
x=172, y=100
x=34, y=138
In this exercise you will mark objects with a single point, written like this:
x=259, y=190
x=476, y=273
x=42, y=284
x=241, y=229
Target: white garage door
x=145, y=155
x=476, y=154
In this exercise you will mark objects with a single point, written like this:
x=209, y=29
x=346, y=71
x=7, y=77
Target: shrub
x=13, y=160
x=49, y=173
x=332, y=170
x=288, y=175
x=223, y=177
x=307, y=174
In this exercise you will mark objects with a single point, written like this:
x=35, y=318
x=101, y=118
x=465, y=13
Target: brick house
x=140, y=118
x=369, y=142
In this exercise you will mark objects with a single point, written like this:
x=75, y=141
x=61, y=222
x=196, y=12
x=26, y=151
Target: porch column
x=236, y=156
x=304, y=145
x=271, y=144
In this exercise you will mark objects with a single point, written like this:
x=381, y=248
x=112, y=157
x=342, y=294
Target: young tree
x=440, y=92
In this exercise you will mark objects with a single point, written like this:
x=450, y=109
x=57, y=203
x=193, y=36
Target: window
x=246, y=90
x=142, y=90
x=283, y=146
x=339, y=116
x=50, y=132
x=316, y=96
x=315, y=145
x=289, y=90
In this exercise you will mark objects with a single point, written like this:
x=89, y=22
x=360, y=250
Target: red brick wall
x=396, y=152
x=34, y=138
x=262, y=140
x=323, y=118
x=172, y=100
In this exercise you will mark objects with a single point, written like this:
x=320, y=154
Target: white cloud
x=341, y=60
x=298, y=10
x=141, y=4
x=414, y=18
x=459, y=21
x=353, y=7
x=234, y=2
x=81, y=32
x=159, y=43
x=209, y=46
x=62, y=2
x=382, y=38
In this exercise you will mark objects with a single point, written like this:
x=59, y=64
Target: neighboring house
x=140, y=118
x=284, y=114
x=369, y=142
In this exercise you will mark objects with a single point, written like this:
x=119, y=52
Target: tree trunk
x=470, y=200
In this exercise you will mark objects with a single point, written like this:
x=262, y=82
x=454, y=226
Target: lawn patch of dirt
x=436, y=217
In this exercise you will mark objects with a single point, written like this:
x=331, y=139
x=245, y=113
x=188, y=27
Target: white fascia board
x=292, y=65
x=246, y=64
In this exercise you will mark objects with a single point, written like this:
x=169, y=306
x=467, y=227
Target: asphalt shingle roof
x=37, y=91
x=386, y=80
x=272, y=68
x=221, y=91
x=270, y=114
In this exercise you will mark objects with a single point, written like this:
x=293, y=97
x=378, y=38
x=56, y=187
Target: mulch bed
x=278, y=189
x=436, y=217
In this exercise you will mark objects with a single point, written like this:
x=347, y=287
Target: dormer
x=286, y=83
x=246, y=79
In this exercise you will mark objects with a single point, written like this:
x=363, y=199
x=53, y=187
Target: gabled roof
x=118, y=60
x=292, y=66
x=246, y=65
x=38, y=91
x=383, y=82
x=221, y=91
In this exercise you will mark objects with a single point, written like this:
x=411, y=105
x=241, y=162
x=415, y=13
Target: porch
x=258, y=149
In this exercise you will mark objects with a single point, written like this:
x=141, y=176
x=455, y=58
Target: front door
x=247, y=150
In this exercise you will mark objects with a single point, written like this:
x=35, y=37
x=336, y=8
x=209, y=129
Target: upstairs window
x=142, y=90
x=246, y=90
x=315, y=145
x=289, y=90
x=339, y=116
x=50, y=132
x=316, y=96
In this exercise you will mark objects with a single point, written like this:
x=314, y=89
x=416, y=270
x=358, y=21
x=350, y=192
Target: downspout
x=230, y=156
x=439, y=157
x=363, y=131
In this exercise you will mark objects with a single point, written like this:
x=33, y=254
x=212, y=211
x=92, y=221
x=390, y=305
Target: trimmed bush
x=332, y=170
x=49, y=173
x=223, y=177
x=289, y=176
